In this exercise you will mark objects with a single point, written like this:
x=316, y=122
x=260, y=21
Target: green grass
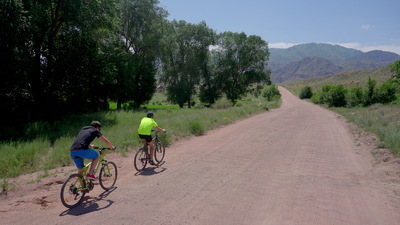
x=382, y=120
x=47, y=144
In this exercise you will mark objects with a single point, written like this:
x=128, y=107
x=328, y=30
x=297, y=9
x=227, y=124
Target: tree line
x=74, y=56
x=340, y=96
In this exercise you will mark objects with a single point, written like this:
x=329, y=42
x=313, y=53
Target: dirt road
x=299, y=164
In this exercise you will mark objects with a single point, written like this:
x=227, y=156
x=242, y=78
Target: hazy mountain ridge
x=313, y=60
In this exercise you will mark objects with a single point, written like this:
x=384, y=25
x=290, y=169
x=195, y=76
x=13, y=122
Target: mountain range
x=314, y=60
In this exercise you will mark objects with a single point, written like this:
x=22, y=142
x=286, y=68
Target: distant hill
x=313, y=60
x=305, y=68
x=349, y=78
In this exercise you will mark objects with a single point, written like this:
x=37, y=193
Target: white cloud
x=281, y=45
x=365, y=26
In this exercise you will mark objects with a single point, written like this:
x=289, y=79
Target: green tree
x=141, y=30
x=14, y=63
x=395, y=67
x=241, y=62
x=185, y=60
x=53, y=55
x=370, y=92
x=55, y=29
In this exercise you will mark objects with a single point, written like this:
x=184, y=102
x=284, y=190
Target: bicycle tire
x=108, y=175
x=159, y=151
x=73, y=191
x=140, y=160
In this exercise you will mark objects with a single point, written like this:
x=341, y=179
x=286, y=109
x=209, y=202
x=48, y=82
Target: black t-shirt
x=85, y=137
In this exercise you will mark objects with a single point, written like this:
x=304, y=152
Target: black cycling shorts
x=147, y=138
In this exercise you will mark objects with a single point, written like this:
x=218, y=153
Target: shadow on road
x=152, y=170
x=90, y=204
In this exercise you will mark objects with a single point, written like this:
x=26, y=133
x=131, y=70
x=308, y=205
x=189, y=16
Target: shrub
x=334, y=96
x=271, y=92
x=355, y=97
x=316, y=98
x=385, y=93
x=324, y=93
x=197, y=128
x=306, y=93
x=337, y=96
x=257, y=90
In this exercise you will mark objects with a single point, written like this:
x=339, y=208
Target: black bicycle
x=142, y=156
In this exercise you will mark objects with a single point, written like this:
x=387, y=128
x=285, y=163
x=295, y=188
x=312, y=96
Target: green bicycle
x=76, y=186
x=143, y=156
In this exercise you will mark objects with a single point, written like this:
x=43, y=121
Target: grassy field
x=383, y=120
x=47, y=144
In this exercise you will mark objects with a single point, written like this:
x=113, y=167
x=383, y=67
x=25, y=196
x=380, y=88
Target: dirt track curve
x=297, y=165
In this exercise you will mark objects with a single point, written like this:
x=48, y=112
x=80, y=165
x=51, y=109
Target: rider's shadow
x=90, y=204
x=152, y=170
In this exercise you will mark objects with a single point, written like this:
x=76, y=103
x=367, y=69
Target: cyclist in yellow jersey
x=144, y=132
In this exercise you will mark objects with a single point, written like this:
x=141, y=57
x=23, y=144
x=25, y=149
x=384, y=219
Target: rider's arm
x=160, y=129
x=107, y=142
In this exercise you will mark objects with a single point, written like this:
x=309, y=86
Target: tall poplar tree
x=241, y=62
x=185, y=59
x=141, y=31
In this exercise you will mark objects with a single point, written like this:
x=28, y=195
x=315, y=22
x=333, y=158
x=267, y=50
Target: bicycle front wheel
x=108, y=175
x=159, y=151
x=73, y=190
x=140, y=160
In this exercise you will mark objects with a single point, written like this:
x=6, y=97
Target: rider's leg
x=93, y=165
x=80, y=171
x=151, y=150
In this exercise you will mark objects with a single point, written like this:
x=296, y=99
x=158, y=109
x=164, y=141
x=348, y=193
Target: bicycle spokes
x=108, y=175
x=73, y=191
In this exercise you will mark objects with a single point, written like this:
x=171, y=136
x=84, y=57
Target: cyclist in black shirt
x=81, y=148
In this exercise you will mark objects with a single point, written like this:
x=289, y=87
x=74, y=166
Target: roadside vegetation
x=66, y=63
x=45, y=145
x=371, y=103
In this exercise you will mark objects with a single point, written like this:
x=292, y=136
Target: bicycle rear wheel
x=159, y=151
x=140, y=159
x=108, y=175
x=73, y=191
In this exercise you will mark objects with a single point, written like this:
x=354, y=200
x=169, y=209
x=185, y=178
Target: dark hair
x=95, y=124
x=150, y=114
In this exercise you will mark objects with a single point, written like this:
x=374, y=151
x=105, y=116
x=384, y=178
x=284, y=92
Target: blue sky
x=360, y=24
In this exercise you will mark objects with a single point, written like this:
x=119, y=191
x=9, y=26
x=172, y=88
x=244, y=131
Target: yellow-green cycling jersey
x=146, y=125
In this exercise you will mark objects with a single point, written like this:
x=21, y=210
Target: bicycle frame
x=142, y=156
x=77, y=185
x=88, y=183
